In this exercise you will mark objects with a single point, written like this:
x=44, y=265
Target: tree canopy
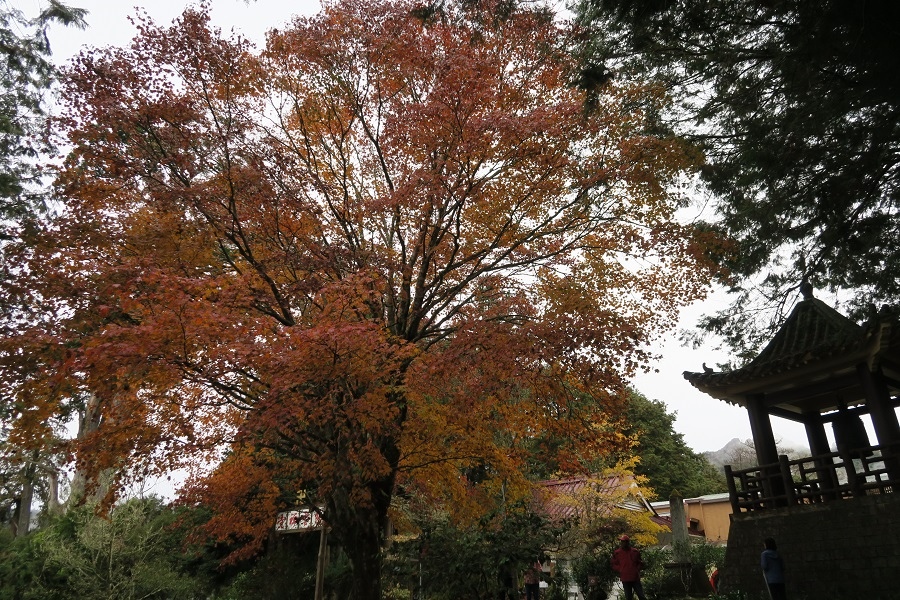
x=796, y=105
x=667, y=462
x=26, y=75
x=391, y=247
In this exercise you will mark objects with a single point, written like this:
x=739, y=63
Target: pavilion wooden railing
x=815, y=479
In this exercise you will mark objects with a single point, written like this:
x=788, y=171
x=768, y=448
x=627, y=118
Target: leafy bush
x=662, y=581
x=708, y=555
x=558, y=588
x=477, y=561
x=132, y=553
x=22, y=568
x=594, y=574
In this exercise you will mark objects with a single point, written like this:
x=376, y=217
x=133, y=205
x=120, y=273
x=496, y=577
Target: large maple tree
x=394, y=248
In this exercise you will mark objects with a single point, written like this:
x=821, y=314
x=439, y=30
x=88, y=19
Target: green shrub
x=662, y=581
x=132, y=553
x=558, y=588
x=474, y=561
x=594, y=574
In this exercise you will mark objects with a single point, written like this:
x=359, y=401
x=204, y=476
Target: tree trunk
x=53, y=506
x=365, y=558
x=24, y=520
x=360, y=531
x=361, y=528
x=88, y=422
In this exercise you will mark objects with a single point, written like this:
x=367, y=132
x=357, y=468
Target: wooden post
x=761, y=427
x=764, y=442
x=852, y=478
x=884, y=419
x=732, y=491
x=320, y=563
x=818, y=446
x=787, y=479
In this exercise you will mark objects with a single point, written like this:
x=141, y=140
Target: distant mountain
x=735, y=451
x=740, y=454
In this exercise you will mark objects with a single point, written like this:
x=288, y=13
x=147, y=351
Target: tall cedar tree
x=26, y=77
x=796, y=103
x=389, y=248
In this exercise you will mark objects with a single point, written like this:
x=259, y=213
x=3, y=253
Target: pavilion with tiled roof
x=819, y=368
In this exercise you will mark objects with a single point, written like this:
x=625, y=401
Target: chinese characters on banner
x=303, y=519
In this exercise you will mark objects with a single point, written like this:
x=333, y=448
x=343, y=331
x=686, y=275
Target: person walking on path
x=627, y=562
x=773, y=570
x=532, y=579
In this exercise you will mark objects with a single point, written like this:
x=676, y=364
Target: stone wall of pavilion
x=840, y=550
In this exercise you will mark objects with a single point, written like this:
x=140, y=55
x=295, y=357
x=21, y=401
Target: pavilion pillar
x=878, y=402
x=884, y=418
x=764, y=443
x=819, y=448
x=761, y=428
x=815, y=434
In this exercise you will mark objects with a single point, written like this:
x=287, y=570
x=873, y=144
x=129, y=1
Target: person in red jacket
x=626, y=561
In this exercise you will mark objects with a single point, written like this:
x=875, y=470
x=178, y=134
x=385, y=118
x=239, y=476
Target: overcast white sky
x=706, y=424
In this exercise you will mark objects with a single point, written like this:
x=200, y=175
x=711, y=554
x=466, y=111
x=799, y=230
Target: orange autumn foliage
x=390, y=246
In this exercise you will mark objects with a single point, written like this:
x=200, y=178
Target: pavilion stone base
x=842, y=550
